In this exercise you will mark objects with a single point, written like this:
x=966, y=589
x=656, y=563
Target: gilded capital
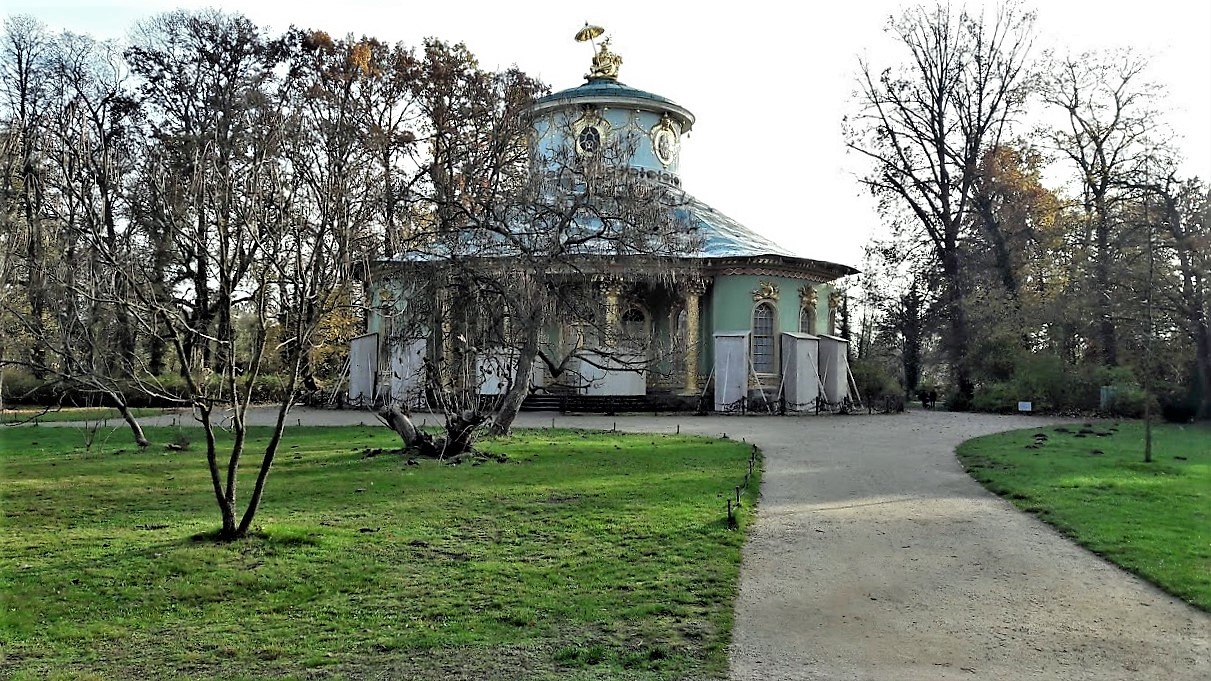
x=834, y=300
x=694, y=286
x=807, y=296
x=612, y=287
x=766, y=290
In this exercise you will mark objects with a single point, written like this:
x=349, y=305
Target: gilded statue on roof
x=605, y=63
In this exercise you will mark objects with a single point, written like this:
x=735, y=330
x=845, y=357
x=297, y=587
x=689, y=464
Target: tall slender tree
x=926, y=124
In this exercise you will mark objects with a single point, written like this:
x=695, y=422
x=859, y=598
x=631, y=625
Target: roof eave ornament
x=605, y=63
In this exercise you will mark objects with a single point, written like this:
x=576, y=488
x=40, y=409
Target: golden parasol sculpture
x=605, y=62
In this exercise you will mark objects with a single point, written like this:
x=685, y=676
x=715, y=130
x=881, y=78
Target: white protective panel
x=538, y=374
x=731, y=367
x=800, y=369
x=363, y=368
x=495, y=371
x=834, y=368
x=408, y=370
x=616, y=375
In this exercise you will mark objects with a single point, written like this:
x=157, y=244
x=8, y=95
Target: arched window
x=807, y=320
x=763, y=338
x=635, y=327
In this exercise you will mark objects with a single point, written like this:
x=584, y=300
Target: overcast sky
x=768, y=81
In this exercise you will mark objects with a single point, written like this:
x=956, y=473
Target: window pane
x=763, y=338
x=807, y=320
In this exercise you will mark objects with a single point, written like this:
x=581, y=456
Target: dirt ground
x=874, y=556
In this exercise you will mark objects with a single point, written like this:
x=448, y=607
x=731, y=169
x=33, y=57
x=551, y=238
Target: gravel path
x=874, y=556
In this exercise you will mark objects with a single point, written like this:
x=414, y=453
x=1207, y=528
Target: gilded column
x=444, y=346
x=612, y=292
x=694, y=289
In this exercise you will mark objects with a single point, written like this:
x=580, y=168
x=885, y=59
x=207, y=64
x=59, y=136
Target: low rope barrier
x=732, y=508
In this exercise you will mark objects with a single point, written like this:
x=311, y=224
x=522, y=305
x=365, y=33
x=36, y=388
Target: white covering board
x=407, y=369
x=363, y=368
x=731, y=367
x=615, y=375
x=800, y=369
x=834, y=368
x=495, y=371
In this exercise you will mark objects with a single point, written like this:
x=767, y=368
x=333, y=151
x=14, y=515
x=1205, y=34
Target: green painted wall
x=730, y=308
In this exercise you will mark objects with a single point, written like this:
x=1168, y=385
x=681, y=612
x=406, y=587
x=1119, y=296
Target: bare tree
x=24, y=74
x=221, y=231
x=926, y=124
x=1184, y=218
x=1111, y=129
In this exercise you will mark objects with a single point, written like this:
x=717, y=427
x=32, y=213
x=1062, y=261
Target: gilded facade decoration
x=834, y=300
x=664, y=141
x=807, y=296
x=694, y=289
x=766, y=290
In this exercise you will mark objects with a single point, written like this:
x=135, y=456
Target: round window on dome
x=588, y=140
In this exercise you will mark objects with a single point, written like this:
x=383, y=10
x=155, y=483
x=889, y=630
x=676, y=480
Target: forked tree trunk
x=226, y=509
x=460, y=433
x=412, y=437
x=511, y=405
x=258, y=488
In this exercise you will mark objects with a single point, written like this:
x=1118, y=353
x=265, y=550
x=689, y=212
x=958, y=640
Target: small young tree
x=222, y=236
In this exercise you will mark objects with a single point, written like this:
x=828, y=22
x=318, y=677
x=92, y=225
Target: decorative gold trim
x=766, y=290
x=757, y=271
x=834, y=300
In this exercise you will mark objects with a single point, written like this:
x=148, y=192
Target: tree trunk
x=226, y=509
x=956, y=343
x=412, y=437
x=1203, y=362
x=460, y=432
x=511, y=405
x=258, y=489
x=135, y=428
x=1107, y=334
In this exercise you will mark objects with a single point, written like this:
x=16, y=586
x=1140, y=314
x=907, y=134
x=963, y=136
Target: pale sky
x=767, y=80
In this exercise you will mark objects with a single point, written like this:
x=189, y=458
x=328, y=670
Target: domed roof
x=610, y=92
x=722, y=238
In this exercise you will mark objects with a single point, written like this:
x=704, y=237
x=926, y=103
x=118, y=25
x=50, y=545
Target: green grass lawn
x=585, y=556
x=1090, y=482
